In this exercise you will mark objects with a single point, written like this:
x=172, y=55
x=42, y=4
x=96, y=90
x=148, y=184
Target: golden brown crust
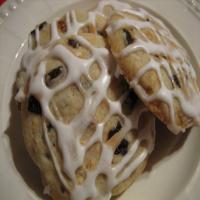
x=65, y=105
x=36, y=145
x=131, y=65
x=120, y=188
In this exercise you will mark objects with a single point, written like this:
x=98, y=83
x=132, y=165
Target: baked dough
x=84, y=128
x=155, y=65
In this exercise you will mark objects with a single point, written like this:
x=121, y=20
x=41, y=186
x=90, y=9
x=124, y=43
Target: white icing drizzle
x=69, y=135
x=20, y=96
x=117, y=5
x=190, y=102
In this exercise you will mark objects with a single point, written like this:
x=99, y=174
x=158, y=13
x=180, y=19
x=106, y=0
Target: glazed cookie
x=155, y=65
x=86, y=130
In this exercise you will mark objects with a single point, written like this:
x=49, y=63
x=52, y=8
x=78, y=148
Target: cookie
x=84, y=128
x=155, y=65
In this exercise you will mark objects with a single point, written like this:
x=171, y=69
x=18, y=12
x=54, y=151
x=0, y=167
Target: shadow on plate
x=166, y=144
x=23, y=163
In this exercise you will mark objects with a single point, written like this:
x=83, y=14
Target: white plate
x=175, y=164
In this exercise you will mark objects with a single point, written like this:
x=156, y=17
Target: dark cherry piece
x=48, y=156
x=102, y=33
x=34, y=105
x=157, y=56
x=73, y=43
x=176, y=80
x=49, y=127
x=122, y=148
x=55, y=72
x=62, y=26
x=42, y=25
x=129, y=39
x=33, y=33
x=62, y=188
x=165, y=57
x=114, y=130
